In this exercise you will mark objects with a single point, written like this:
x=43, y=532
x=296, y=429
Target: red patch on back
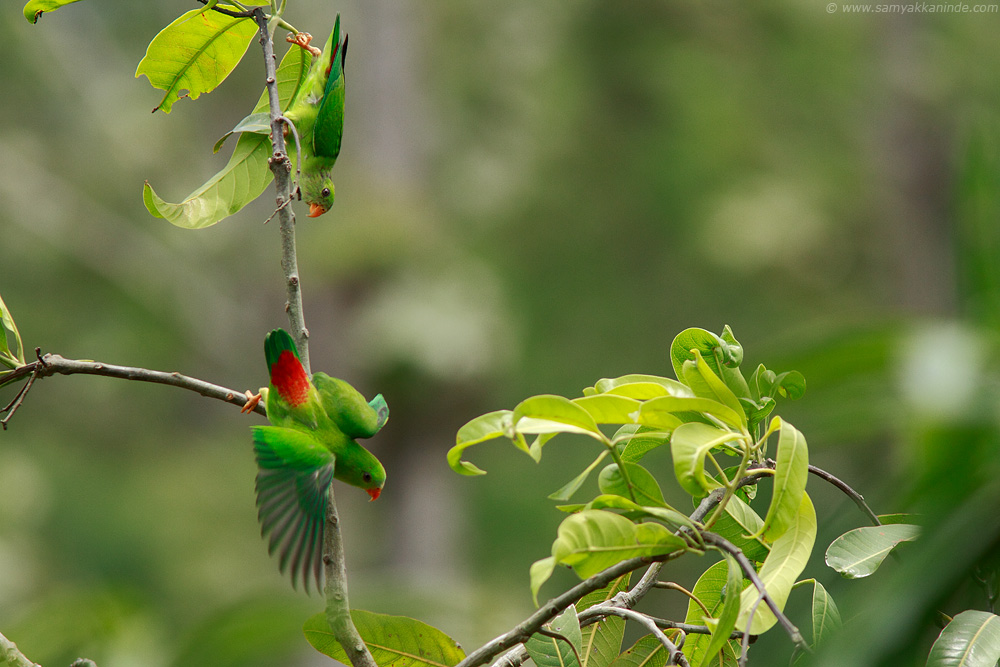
x=289, y=378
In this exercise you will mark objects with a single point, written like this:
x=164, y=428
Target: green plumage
x=318, y=115
x=311, y=442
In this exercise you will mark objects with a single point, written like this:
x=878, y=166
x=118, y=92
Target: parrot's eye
x=367, y=477
x=326, y=192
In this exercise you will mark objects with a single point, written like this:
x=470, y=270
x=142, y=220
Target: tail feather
x=277, y=342
x=283, y=363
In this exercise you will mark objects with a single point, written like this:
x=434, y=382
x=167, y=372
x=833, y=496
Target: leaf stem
x=10, y=655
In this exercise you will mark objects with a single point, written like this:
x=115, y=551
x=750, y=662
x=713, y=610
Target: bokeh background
x=531, y=196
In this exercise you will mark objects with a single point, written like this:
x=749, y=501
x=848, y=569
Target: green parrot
x=311, y=442
x=318, y=115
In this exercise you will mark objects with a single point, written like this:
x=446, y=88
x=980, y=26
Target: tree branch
x=10, y=655
x=52, y=364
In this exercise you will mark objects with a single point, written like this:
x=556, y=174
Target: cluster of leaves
x=718, y=426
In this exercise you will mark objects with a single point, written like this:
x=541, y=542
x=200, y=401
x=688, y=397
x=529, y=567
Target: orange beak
x=316, y=210
x=374, y=493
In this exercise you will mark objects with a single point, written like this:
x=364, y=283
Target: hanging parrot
x=311, y=442
x=318, y=115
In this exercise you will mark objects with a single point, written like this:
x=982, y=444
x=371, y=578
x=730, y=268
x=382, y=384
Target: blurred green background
x=531, y=196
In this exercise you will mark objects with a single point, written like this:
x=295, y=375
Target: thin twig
x=53, y=364
x=10, y=655
x=676, y=657
x=858, y=499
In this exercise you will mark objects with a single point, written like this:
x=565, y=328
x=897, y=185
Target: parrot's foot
x=251, y=404
x=303, y=39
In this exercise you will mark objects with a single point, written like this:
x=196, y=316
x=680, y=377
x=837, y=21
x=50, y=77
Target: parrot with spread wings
x=312, y=440
x=318, y=114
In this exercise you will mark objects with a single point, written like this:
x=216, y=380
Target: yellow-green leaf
x=34, y=9
x=392, y=640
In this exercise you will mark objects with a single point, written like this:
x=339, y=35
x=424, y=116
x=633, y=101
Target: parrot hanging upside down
x=311, y=442
x=318, y=114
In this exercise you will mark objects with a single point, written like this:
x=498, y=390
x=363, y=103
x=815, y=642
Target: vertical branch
x=338, y=610
x=281, y=167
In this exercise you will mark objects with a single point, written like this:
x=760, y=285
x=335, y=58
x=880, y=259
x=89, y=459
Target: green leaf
x=642, y=387
x=723, y=355
x=660, y=412
x=609, y=408
x=972, y=639
x=196, y=53
x=640, y=487
x=791, y=472
x=667, y=515
x=392, y=640
x=859, y=552
x=549, y=413
x=648, y=651
x=897, y=517
x=765, y=383
x=741, y=525
x=712, y=590
x=485, y=427
x=34, y=9
x=603, y=640
x=594, y=540
x=788, y=557
x=639, y=440
x=551, y=652
x=566, y=492
x=704, y=382
x=825, y=615
x=726, y=619
x=689, y=445
x=539, y=573
x=258, y=123
x=11, y=347
x=245, y=176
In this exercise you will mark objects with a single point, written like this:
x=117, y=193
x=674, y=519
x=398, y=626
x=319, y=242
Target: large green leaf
x=859, y=552
x=34, y=9
x=741, y=525
x=704, y=382
x=195, y=53
x=594, y=540
x=246, y=175
x=972, y=639
x=395, y=641
x=788, y=557
x=11, y=347
x=670, y=517
x=641, y=486
x=548, y=651
x=726, y=620
x=689, y=445
x=641, y=387
x=603, y=640
x=553, y=414
x=791, y=472
x=609, y=408
x=485, y=427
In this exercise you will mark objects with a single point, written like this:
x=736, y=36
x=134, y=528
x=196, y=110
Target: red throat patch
x=289, y=378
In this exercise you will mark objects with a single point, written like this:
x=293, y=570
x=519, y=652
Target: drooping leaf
x=602, y=641
x=593, y=540
x=392, y=640
x=791, y=472
x=245, y=176
x=859, y=552
x=11, y=347
x=195, y=53
x=485, y=427
x=548, y=651
x=641, y=486
x=34, y=9
x=971, y=639
x=788, y=557
x=689, y=445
